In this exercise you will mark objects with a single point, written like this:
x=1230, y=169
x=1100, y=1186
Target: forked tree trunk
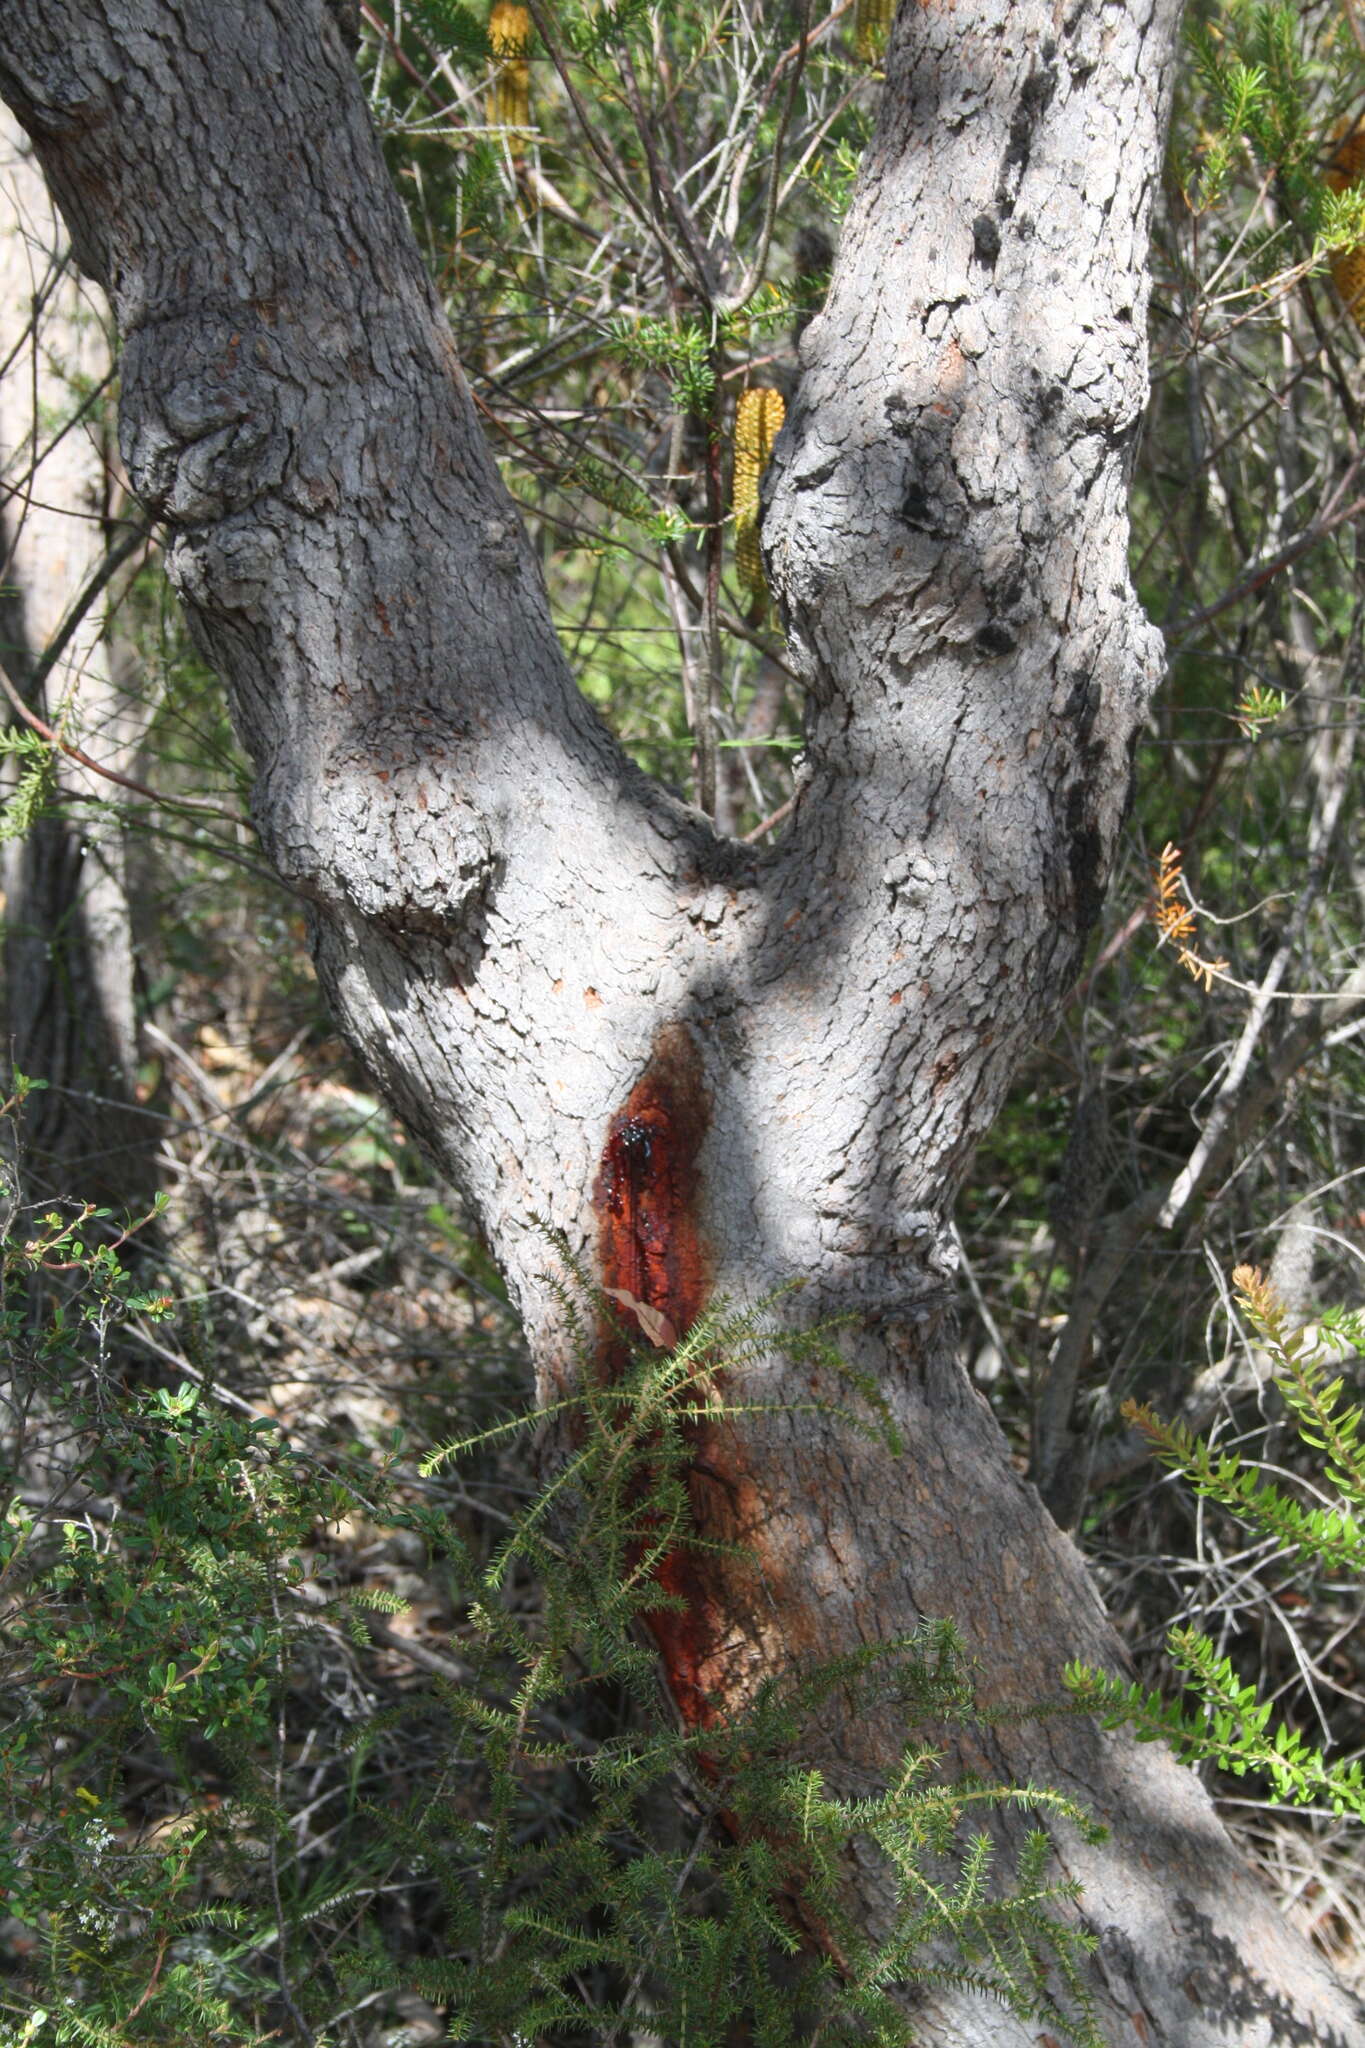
x=716, y=1069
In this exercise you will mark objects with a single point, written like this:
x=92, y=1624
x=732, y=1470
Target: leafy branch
x=1227, y=1723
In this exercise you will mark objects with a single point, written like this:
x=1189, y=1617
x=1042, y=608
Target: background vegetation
x=266, y=1811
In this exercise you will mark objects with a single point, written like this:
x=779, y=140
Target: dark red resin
x=650, y=1245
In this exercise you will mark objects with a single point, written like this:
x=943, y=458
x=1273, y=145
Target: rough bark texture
x=715, y=1069
x=68, y=996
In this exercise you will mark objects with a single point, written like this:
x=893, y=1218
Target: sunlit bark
x=716, y=1070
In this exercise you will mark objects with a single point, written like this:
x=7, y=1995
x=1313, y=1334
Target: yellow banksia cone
x=1348, y=265
x=509, y=42
x=871, y=27
x=758, y=422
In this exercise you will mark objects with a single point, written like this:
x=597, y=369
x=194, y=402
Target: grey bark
x=516, y=929
x=68, y=1004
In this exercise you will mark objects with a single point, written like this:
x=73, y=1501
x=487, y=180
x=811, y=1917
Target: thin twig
x=152, y=1981
x=773, y=819
x=80, y=604
x=591, y=133
x=736, y=302
x=199, y=805
x=1265, y=571
x=1225, y=1102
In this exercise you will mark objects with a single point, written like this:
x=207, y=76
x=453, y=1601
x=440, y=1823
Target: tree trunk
x=68, y=1010
x=716, y=1070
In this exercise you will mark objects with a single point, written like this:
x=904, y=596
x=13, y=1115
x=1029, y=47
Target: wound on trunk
x=648, y=1188
x=650, y=1249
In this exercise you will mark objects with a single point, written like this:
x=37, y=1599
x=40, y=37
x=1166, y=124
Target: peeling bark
x=549, y=963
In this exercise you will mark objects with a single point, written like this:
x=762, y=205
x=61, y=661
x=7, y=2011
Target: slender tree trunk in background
x=715, y=1069
x=68, y=1010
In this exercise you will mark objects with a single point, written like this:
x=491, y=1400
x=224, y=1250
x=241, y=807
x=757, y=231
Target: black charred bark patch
x=986, y=240
x=1085, y=858
x=995, y=640
x=1034, y=101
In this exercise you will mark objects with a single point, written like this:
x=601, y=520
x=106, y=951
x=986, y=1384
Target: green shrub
x=1224, y=1721
x=159, y=1619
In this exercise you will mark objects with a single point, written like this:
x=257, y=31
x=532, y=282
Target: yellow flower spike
x=871, y=27
x=758, y=422
x=1348, y=265
x=509, y=41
